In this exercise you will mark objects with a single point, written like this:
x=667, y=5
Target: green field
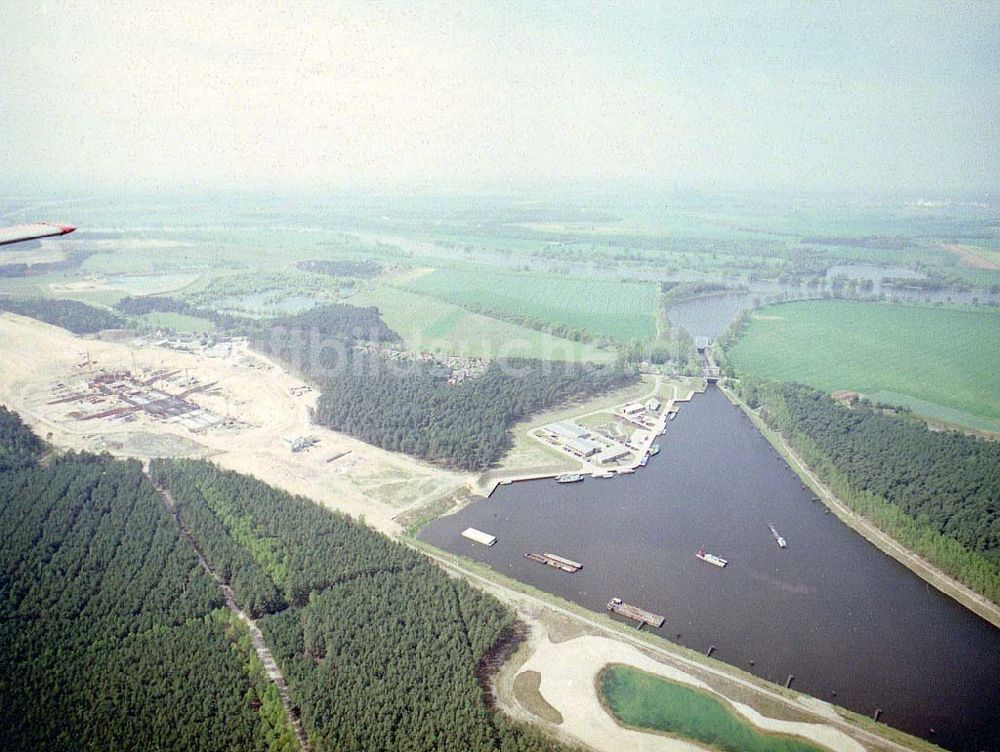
x=431, y=325
x=645, y=701
x=916, y=355
x=602, y=307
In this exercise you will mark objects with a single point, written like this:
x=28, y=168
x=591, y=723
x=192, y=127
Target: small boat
x=654, y=449
x=506, y=482
x=777, y=537
x=569, y=478
x=604, y=474
x=672, y=416
x=711, y=558
x=626, y=470
x=644, y=460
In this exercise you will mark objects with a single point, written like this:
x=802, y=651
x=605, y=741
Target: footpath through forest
x=256, y=636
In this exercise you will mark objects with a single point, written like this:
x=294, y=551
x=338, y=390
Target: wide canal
x=831, y=608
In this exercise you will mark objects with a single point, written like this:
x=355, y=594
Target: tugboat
x=711, y=558
x=569, y=478
x=777, y=537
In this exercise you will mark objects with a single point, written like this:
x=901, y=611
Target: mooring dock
x=634, y=612
x=566, y=565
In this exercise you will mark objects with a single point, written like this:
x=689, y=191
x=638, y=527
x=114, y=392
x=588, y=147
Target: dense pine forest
x=379, y=646
x=409, y=406
x=111, y=635
x=115, y=638
x=284, y=337
x=414, y=409
x=938, y=492
x=73, y=315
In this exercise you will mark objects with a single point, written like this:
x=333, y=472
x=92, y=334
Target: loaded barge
x=633, y=612
x=566, y=565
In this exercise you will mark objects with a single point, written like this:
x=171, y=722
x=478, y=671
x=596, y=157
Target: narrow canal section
x=851, y=624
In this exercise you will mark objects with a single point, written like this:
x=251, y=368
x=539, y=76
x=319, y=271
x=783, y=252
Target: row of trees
x=379, y=646
x=73, y=315
x=363, y=269
x=937, y=492
x=112, y=638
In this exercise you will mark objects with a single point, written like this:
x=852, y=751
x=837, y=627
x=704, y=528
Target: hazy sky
x=452, y=96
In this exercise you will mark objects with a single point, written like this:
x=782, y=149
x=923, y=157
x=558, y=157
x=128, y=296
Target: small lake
x=830, y=609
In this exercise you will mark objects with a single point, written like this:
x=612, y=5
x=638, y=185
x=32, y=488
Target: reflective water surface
x=830, y=609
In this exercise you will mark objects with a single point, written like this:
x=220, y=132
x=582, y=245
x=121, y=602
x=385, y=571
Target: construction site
x=121, y=395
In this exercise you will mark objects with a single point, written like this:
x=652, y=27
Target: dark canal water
x=830, y=609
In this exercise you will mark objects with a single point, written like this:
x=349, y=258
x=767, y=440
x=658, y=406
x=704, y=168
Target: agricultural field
x=645, y=701
x=943, y=362
x=431, y=325
x=601, y=307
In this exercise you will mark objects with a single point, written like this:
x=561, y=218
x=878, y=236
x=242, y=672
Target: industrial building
x=575, y=438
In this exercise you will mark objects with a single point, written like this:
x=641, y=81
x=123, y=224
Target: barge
x=558, y=562
x=479, y=536
x=711, y=558
x=616, y=605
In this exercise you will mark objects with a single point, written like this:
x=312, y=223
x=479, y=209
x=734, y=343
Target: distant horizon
x=899, y=97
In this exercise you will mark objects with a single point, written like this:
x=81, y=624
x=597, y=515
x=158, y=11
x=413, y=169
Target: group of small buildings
x=455, y=369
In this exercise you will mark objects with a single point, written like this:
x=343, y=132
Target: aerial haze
x=521, y=377
x=897, y=96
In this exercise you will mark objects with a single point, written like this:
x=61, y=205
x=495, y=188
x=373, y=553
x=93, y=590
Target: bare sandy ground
x=365, y=482
x=569, y=670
